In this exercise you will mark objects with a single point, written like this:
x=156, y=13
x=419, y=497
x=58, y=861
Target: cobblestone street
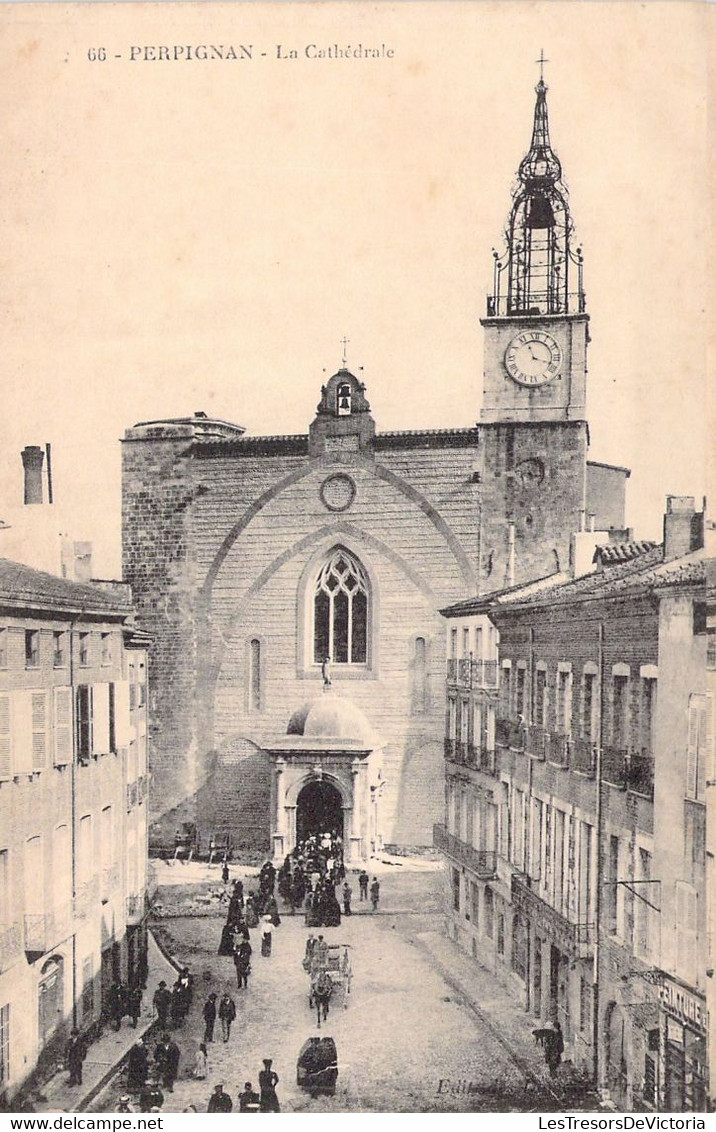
x=405, y=1029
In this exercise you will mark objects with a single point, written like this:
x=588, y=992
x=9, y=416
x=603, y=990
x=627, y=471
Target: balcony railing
x=472, y=755
x=10, y=946
x=640, y=774
x=573, y=938
x=502, y=732
x=483, y=862
x=488, y=760
x=558, y=749
x=45, y=930
x=86, y=898
x=549, y=301
x=614, y=762
x=628, y=770
x=536, y=741
x=517, y=735
x=583, y=756
x=470, y=673
x=463, y=672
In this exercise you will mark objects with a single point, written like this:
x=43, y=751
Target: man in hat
x=347, y=893
x=268, y=1080
x=363, y=881
x=124, y=1105
x=162, y=1002
x=116, y=1003
x=134, y=1003
x=227, y=1013
x=209, y=1017
x=249, y=1100
x=137, y=1066
x=375, y=893
x=166, y=1060
x=219, y=1101
x=75, y=1053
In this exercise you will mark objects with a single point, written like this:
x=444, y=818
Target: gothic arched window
x=340, y=610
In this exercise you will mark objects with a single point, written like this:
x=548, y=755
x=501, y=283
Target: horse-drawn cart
x=329, y=968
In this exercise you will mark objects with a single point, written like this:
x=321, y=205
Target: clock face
x=533, y=358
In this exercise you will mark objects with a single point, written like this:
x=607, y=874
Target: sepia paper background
x=199, y=235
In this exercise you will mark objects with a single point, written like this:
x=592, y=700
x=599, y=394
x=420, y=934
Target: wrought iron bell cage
x=538, y=255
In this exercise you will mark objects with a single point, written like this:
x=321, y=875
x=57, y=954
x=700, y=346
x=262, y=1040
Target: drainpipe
x=510, y=554
x=527, y=840
x=73, y=816
x=600, y=839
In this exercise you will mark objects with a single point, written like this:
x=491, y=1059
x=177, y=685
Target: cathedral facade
x=291, y=584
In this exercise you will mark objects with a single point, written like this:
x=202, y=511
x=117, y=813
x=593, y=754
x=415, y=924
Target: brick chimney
x=32, y=458
x=683, y=526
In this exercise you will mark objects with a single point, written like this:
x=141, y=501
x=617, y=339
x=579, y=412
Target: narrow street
x=404, y=1030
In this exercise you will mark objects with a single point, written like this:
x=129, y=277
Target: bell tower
x=533, y=429
x=536, y=329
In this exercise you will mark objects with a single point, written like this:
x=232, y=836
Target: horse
x=320, y=994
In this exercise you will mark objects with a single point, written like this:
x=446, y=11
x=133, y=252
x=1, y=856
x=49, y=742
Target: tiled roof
x=482, y=602
x=611, y=553
x=25, y=588
x=648, y=571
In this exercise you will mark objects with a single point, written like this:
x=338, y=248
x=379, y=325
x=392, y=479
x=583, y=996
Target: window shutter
x=39, y=729
x=100, y=721
x=22, y=728
x=121, y=713
x=707, y=771
x=686, y=930
x=5, y=737
x=692, y=749
x=63, y=725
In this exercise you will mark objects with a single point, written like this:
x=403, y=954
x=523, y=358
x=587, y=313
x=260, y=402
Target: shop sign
x=684, y=1005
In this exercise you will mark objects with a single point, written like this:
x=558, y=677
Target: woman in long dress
x=200, y=1065
x=250, y=913
x=266, y=935
x=226, y=945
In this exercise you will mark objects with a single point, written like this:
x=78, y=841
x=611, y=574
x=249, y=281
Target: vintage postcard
x=357, y=622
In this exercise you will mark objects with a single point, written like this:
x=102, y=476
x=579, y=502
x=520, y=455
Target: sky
x=201, y=234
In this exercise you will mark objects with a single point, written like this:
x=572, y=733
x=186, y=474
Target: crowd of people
x=150, y=1094
x=307, y=882
x=308, y=877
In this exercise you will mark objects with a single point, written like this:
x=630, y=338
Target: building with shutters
x=73, y=802
x=578, y=757
x=253, y=558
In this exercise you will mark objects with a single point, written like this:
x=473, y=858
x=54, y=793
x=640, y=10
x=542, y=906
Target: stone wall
x=534, y=476
x=221, y=545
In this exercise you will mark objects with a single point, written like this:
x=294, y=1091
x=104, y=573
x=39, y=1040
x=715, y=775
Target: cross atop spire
x=541, y=62
x=541, y=162
x=344, y=343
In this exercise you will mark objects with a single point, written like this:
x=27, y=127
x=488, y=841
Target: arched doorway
x=319, y=809
x=50, y=997
x=617, y=1063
